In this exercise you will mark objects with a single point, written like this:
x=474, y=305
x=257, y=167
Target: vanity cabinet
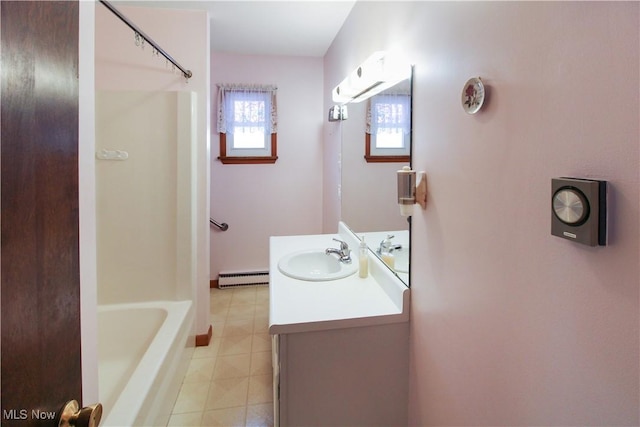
x=340, y=347
x=353, y=376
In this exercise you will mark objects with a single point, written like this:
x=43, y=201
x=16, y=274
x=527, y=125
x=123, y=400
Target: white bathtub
x=143, y=355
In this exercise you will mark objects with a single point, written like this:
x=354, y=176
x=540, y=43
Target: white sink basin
x=315, y=265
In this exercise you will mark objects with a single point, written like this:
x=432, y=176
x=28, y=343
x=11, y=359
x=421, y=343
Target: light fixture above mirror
x=379, y=72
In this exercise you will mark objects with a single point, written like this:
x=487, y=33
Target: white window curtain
x=247, y=108
x=389, y=113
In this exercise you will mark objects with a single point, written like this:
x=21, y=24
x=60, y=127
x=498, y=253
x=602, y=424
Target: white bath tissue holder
x=409, y=193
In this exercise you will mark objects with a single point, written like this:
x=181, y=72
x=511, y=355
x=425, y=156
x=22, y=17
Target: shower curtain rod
x=187, y=73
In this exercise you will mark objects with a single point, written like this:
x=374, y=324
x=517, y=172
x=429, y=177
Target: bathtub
x=143, y=355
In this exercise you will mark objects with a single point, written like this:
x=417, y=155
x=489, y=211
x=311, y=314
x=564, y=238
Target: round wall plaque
x=473, y=95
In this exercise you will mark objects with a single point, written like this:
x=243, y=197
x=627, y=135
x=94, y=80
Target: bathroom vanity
x=340, y=347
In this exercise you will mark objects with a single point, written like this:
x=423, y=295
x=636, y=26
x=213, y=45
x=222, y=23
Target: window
x=388, y=129
x=247, y=124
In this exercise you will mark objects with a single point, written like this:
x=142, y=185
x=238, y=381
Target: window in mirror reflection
x=388, y=128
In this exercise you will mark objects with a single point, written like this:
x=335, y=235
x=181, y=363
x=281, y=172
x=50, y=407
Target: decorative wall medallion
x=473, y=95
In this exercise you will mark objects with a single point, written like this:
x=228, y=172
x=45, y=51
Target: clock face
x=570, y=206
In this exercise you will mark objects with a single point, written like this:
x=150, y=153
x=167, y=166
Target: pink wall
x=121, y=65
x=258, y=201
x=510, y=325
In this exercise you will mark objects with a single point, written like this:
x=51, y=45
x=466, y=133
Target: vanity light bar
x=376, y=74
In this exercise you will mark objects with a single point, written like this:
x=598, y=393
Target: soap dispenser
x=363, y=257
x=386, y=252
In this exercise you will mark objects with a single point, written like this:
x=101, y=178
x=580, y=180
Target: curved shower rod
x=187, y=73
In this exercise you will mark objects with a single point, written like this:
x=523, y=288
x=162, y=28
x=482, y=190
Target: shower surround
x=145, y=252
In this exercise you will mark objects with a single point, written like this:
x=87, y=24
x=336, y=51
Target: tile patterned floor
x=229, y=383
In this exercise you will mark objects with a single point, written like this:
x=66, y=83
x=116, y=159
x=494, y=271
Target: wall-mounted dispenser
x=579, y=210
x=409, y=193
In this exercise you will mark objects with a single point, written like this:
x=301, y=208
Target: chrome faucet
x=344, y=252
x=387, y=246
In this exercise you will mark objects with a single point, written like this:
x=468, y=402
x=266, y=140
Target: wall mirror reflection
x=368, y=182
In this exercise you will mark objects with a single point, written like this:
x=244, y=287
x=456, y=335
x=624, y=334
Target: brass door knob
x=74, y=416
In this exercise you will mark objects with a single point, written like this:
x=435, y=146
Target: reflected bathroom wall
x=144, y=201
x=369, y=195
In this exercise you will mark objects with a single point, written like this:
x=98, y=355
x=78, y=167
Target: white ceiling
x=264, y=27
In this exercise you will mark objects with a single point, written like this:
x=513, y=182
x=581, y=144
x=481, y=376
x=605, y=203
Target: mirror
x=369, y=188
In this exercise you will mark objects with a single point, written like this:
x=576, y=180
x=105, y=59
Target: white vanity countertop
x=300, y=306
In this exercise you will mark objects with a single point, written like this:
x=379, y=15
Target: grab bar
x=223, y=227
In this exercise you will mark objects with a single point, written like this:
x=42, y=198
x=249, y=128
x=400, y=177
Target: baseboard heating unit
x=234, y=279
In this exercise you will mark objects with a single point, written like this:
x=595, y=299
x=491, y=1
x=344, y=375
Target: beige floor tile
x=200, y=370
x=260, y=389
x=261, y=342
x=218, y=327
x=262, y=316
x=238, y=327
x=220, y=297
x=217, y=318
x=192, y=398
x=227, y=393
x=219, y=315
x=219, y=309
x=208, y=351
x=235, y=344
x=261, y=363
x=242, y=296
x=260, y=415
x=262, y=311
x=241, y=311
x=190, y=419
x=229, y=383
x=236, y=365
x=227, y=417
x=261, y=325
x=262, y=294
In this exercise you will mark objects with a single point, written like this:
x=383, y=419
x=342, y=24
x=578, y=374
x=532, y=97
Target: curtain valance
x=251, y=107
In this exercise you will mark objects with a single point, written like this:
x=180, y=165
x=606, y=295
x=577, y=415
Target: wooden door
x=40, y=282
